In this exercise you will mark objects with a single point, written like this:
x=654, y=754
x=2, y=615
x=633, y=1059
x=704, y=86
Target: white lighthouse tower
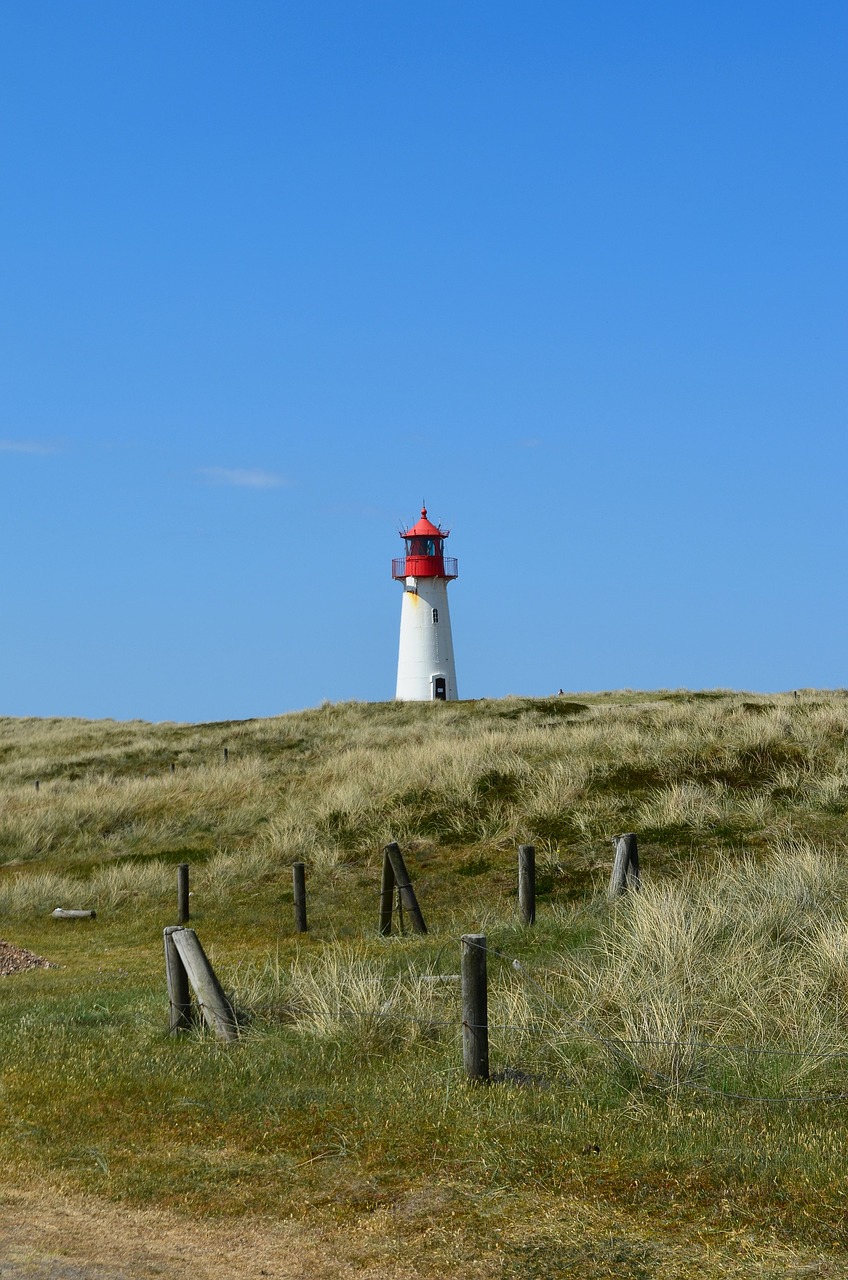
x=426, y=669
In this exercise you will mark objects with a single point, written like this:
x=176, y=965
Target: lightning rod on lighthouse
x=426, y=670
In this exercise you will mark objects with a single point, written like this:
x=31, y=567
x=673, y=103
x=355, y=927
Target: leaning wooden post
x=226, y=755
x=214, y=1006
x=527, y=883
x=405, y=889
x=179, y=996
x=475, y=1016
x=625, y=867
x=387, y=894
x=299, y=886
x=182, y=894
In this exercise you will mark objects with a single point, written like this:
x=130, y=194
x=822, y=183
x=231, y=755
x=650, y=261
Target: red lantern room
x=425, y=555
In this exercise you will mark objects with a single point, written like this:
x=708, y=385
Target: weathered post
x=173, y=767
x=475, y=1015
x=527, y=883
x=37, y=785
x=387, y=893
x=214, y=1006
x=179, y=995
x=226, y=755
x=182, y=894
x=405, y=889
x=625, y=867
x=299, y=886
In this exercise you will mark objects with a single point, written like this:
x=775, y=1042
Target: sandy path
x=50, y=1236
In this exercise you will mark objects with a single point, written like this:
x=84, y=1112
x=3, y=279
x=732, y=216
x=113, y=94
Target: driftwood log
x=61, y=914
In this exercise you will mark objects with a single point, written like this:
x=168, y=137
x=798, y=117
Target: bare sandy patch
x=48, y=1235
x=54, y=1235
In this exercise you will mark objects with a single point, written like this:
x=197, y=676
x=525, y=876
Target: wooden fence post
x=179, y=996
x=226, y=755
x=182, y=894
x=527, y=883
x=214, y=1006
x=299, y=886
x=625, y=867
x=405, y=889
x=387, y=894
x=475, y=1015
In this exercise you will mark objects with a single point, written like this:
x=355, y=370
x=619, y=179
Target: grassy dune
x=673, y=1071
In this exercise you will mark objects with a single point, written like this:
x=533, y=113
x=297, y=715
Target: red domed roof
x=425, y=529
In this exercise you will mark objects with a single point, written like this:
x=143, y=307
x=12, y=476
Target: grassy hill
x=672, y=1069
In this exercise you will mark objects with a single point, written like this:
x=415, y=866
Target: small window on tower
x=435, y=615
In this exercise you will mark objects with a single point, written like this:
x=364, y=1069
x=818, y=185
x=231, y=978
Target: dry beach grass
x=639, y=1045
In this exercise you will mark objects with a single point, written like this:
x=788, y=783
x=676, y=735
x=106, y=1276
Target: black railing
x=425, y=567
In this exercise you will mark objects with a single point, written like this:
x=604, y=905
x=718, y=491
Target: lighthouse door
x=440, y=688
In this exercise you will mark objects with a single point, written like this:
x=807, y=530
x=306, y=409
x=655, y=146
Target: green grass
x=616, y=1040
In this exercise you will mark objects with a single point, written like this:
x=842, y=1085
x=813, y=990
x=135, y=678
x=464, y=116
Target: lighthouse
x=426, y=670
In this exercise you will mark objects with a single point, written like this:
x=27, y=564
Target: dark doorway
x=440, y=689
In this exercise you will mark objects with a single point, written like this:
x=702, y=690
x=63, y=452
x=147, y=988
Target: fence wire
x=621, y=1048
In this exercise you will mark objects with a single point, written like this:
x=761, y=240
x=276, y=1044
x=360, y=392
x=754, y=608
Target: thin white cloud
x=27, y=446
x=242, y=479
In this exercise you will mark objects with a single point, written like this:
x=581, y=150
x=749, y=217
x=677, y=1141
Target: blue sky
x=273, y=273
